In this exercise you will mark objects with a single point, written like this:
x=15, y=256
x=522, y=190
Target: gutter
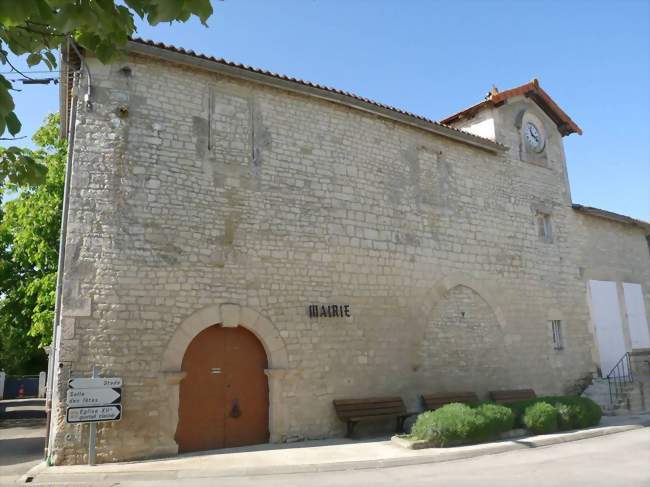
x=56, y=335
x=230, y=70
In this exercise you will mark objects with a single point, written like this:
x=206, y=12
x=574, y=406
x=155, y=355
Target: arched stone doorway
x=227, y=315
x=224, y=396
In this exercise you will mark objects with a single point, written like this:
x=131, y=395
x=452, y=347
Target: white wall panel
x=606, y=316
x=636, y=315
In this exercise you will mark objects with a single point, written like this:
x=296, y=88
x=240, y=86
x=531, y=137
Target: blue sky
x=434, y=58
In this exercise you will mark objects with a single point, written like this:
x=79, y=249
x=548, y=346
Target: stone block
x=230, y=315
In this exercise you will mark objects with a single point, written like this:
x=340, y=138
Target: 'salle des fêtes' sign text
x=329, y=311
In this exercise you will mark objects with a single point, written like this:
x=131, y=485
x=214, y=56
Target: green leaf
x=14, y=12
x=51, y=58
x=13, y=124
x=4, y=83
x=33, y=59
x=6, y=102
x=165, y=11
x=201, y=8
x=44, y=11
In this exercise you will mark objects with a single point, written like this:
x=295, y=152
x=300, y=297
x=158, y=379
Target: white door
x=606, y=316
x=636, y=316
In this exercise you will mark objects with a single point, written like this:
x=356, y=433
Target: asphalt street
x=22, y=435
x=609, y=461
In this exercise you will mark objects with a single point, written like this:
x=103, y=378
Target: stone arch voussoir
x=229, y=315
x=485, y=291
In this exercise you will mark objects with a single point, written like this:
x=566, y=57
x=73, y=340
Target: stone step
x=627, y=399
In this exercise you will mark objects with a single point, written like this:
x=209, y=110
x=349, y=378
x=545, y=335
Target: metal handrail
x=619, y=377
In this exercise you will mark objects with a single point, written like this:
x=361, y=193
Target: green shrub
x=452, y=424
x=541, y=418
x=581, y=412
x=591, y=413
x=519, y=408
x=499, y=419
x=457, y=424
x=585, y=412
x=567, y=416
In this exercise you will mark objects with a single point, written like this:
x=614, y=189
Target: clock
x=534, y=137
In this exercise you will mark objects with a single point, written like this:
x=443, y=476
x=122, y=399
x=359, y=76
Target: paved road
x=608, y=461
x=22, y=433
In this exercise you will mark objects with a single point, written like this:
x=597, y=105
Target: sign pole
x=92, y=440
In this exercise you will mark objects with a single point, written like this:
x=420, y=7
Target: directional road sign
x=91, y=383
x=94, y=397
x=94, y=414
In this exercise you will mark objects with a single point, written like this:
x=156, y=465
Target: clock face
x=534, y=137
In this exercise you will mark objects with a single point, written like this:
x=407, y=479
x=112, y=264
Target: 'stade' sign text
x=329, y=311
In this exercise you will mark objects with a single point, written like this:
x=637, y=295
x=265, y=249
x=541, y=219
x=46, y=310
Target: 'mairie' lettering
x=329, y=311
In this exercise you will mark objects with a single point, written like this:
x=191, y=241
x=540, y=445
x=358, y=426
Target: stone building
x=242, y=248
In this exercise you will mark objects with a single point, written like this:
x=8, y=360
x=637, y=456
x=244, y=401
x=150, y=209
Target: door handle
x=235, y=411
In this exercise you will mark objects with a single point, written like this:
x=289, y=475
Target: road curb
x=43, y=474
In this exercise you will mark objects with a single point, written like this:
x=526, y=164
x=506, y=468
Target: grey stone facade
x=200, y=198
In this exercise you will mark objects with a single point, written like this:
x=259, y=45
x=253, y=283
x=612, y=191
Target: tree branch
x=40, y=32
x=16, y=69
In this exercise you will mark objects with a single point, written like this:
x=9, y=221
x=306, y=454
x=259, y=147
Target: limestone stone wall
x=198, y=198
x=611, y=251
x=464, y=334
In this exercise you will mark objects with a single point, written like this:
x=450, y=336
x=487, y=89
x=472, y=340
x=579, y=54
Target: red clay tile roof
x=329, y=89
x=565, y=125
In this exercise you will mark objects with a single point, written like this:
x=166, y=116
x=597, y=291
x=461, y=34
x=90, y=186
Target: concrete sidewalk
x=310, y=456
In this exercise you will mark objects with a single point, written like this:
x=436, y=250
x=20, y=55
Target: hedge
x=459, y=424
x=540, y=418
x=499, y=418
x=575, y=412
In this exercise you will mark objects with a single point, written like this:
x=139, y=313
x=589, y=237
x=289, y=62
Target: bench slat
x=368, y=405
x=372, y=412
x=343, y=402
x=434, y=401
x=354, y=410
x=376, y=416
x=512, y=395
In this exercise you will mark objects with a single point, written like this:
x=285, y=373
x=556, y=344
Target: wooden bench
x=431, y=402
x=351, y=411
x=503, y=397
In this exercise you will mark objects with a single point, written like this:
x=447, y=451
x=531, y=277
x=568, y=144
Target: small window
x=558, y=342
x=544, y=227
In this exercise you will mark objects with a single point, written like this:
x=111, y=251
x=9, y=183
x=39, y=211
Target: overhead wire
x=40, y=71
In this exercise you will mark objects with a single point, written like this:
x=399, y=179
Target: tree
x=37, y=28
x=29, y=249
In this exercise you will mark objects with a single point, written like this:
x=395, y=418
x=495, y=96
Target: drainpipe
x=56, y=335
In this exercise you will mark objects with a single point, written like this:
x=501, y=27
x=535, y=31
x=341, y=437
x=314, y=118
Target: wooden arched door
x=224, y=398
